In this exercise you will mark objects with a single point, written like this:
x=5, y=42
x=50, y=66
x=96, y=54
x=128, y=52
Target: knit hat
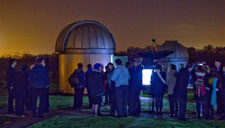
x=97, y=66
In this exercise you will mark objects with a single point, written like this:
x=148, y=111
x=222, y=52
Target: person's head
x=24, y=68
x=173, y=67
x=80, y=66
x=128, y=65
x=38, y=60
x=89, y=66
x=43, y=63
x=217, y=64
x=189, y=67
x=118, y=62
x=158, y=68
x=110, y=66
x=98, y=66
x=224, y=68
x=12, y=63
x=107, y=68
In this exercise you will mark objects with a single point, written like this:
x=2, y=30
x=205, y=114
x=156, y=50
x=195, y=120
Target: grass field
x=130, y=122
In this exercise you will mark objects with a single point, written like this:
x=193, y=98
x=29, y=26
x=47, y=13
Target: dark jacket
x=81, y=76
x=136, y=77
x=21, y=79
x=182, y=83
x=38, y=77
x=223, y=82
x=11, y=77
x=95, y=83
x=157, y=88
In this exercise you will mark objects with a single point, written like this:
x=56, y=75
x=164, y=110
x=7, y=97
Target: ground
x=61, y=115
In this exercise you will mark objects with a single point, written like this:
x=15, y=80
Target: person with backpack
x=158, y=88
x=121, y=78
x=78, y=81
x=200, y=85
x=96, y=88
x=88, y=72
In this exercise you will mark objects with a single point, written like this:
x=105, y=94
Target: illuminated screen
x=146, y=76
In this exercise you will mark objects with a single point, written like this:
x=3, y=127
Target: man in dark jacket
x=79, y=89
x=135, y=88
x=223, y=90
x=181, y=90
x=11, y=79
x=39, y=80
x=20, y=90
x=88, y=72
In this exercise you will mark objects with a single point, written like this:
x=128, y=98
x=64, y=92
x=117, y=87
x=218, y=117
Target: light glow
x=146, y=76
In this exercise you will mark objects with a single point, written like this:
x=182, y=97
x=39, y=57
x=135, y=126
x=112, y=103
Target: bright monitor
x=146, y=76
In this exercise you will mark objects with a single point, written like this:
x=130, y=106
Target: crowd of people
x=25, y=84
x=121, y=86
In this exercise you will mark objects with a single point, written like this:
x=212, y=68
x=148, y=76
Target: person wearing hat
x=135, y=88
x=11, y=79
x=39, y=79
x=96, y=87
x=121, y=78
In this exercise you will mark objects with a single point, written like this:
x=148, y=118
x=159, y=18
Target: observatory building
x=179, y=57
x=86, y=42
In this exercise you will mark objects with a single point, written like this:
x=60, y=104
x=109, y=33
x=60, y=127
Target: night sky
x=32, y=26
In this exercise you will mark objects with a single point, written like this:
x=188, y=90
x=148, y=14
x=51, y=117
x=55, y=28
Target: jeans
x=10, y=100
x=122, y=100
x=20, y=99
x=134, y=101
x=78, y=97
x=182, y=103
x=201, y=107
x=173, y=104
x=38, y=92
x=158, y=104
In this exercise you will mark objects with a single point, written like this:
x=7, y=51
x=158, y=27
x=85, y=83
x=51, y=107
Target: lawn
x=130, y=122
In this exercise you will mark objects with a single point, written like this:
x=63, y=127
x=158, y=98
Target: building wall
x=68, y=63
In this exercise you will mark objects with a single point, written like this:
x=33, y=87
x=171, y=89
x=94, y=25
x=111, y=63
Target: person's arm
x=115, y=75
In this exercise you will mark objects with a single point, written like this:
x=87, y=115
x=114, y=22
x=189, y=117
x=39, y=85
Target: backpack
x=74, y=80
x=200, y=86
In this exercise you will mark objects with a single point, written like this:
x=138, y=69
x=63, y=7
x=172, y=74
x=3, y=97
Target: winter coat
x=223, y=82
x=38, y=77
x=157, y=88
x=11, y=77
x=95, y=83
x=201, y=81
x=182, y=83
x=136, y=77
x=171, y=81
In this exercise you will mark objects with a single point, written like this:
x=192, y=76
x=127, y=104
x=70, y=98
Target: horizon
x=33, y=26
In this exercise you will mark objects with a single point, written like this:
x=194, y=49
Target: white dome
x=85, y=37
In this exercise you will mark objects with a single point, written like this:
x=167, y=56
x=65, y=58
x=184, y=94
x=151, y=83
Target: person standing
x=112, y=98
x=11, y=79
x=44, y=63
x=200, y=85
x=39, y=80
x=135, y=88
x=88, y=72
x=171, y=82
x=223, y=90
x=20, y=90
x=158, y=88
x=79, y=86
x=121, y=77
x=96, y=88
x=181, y=90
